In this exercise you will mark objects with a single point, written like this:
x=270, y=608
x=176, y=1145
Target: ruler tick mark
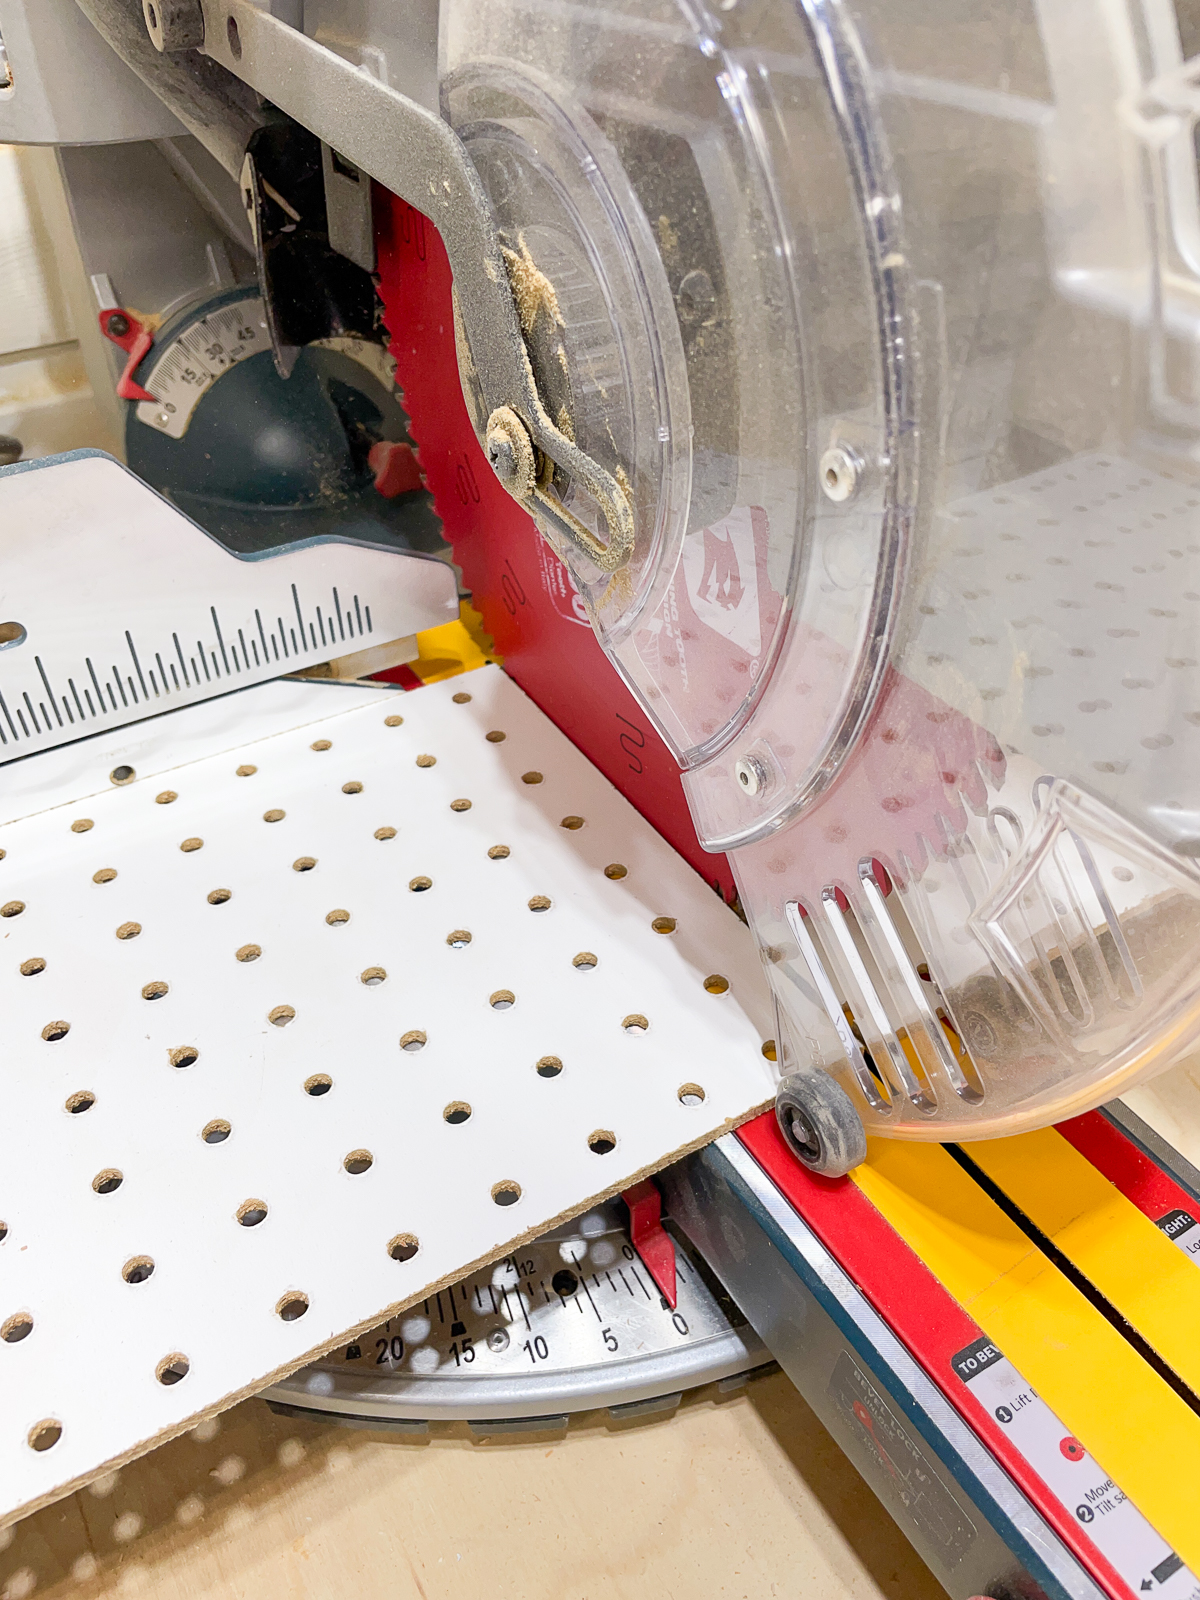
x=49, y=691
x=182, y=662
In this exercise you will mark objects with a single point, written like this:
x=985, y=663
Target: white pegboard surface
x=1064, y=617
x=89, y=1361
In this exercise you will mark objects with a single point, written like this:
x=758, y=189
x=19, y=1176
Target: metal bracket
x=411, y=151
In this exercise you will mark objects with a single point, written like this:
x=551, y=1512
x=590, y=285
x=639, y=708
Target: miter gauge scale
x=571, y=1322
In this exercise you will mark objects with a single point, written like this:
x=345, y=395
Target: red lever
x=649, y=1238
x=132, y=336
x=395, y=467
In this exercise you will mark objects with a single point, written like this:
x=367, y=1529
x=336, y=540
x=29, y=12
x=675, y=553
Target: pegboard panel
x=296, y=1032
x=1063, y=616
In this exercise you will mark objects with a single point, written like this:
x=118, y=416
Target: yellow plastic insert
x=1142, y=1433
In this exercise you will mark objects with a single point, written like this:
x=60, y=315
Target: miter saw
x=808, y=397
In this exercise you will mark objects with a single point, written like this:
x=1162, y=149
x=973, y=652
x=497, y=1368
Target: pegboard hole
x=358, y=1162
x=427, y=761
x=280, y=1016
x=615, y=870
x=79, y=1102
x=462, y=698
x=393, y=721
x=635, y=1023
x=496, y=736
x=166, y=798
x=129, y=930
x=321, y=744
x=403, y=1247
x=31, y=968
x=506, y=1192
x=19, y=1326
x=82, y=825
x=121, y=775
x=12, y=908
x=769, y=1050
x=415, y=1040
x=292, y=1306
x=419, y=885
x=372, y=977
x=216, y=1132
x=320, y=1083
x=499, y=852
x=664, y=924
x=155, y=990
x=44, y=1435
x=602, y=1141
x=716, y=984
x=585, y=961
x=190, y=846
x=458, y=938
x=691, y=1094
x=54, y=1031
x=572, y=824
x=385, y=833
x=108, y=1181
x=248, y=952
x=540, y=902
x=456, y=1112
x=502, y=1000
x=274, y=815
x=172, y=1369
x=137, y=1269
x=246, y=771
x=304, y=863
x=460, y=805
x=105, y=875
x=353, y=787
x=531, y=777
x=218, y=897
x=549, y=1067
x=184, y=1055
x=251, y=1212
x=338, y=917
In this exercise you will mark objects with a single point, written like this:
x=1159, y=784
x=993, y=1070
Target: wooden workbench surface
x=745, y=1496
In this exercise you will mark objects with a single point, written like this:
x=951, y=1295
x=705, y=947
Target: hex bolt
x=840, y=470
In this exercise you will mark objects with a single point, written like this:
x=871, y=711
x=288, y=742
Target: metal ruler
x=114, y=606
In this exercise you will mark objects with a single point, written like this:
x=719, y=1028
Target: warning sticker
x=1182, y=1229
x=1111, y=1521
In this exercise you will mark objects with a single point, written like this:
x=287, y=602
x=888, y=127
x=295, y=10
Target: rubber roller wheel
x=819, y=1123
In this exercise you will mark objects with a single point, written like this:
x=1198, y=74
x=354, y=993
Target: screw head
x=497, y=1340
x=839, y=469
x=118, y=325
x=751, y=775
x=510, y=452
x=503, y=458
